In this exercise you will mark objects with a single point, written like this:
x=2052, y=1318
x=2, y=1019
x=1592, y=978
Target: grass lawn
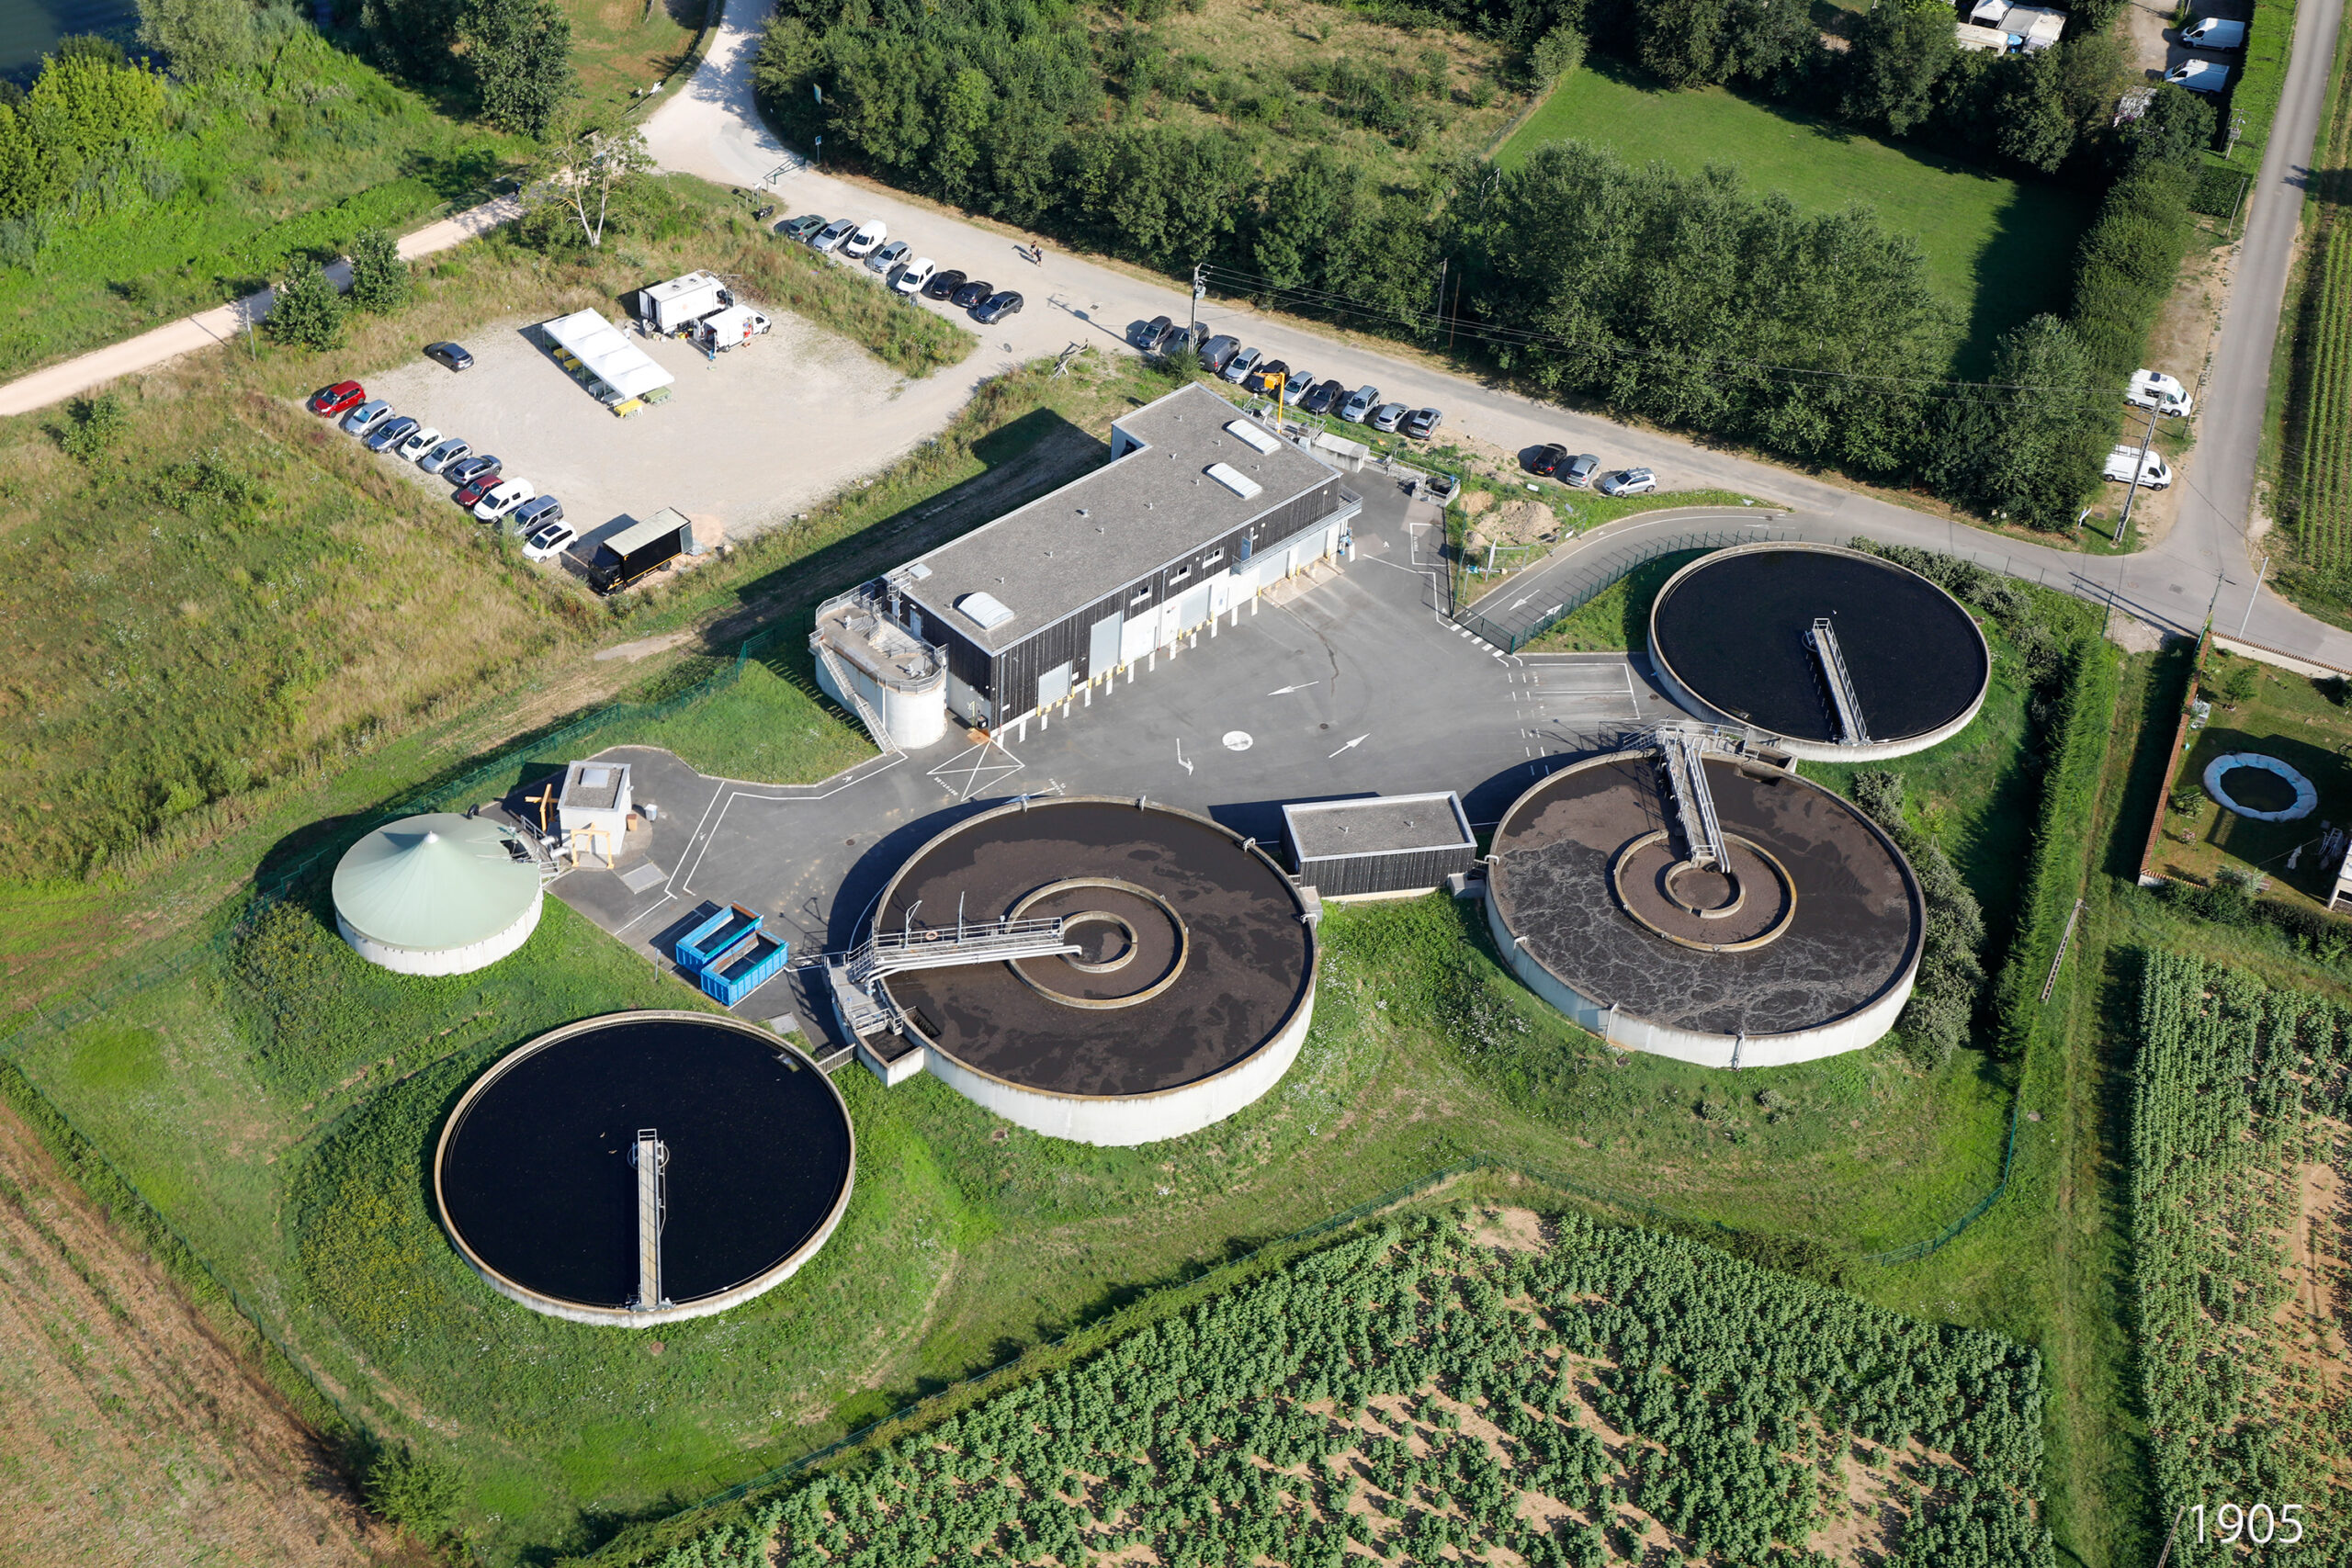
x=1997, y=250
x=2289, y=718
x=1619, y=616
x=617, y=45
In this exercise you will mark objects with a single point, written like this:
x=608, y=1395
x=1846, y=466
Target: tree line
x=1417, y=1391
x=1682, y=298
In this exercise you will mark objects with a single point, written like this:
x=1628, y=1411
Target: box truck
x=2212, y=32
x=639, y=549
x=675, y=306
x=2154, y=473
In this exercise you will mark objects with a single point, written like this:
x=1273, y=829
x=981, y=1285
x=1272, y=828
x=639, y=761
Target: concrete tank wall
x=447, y=960
x=1863, y=1027
x=1813, y=750
x=1123, y=1120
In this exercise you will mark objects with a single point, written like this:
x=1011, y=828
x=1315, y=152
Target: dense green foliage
x=2075, y=755
x=305, y=310
x=1418, y=1389
x=519, y=52
x=414, y=1491
x=1676, y=298
x=379, y=279
x=1799, y=334
x=1936, y=1020
x=2238, y=1093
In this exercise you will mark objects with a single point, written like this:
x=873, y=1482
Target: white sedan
x=418, y=442
x=508, y=495
x=914, y=275
x=551, y=540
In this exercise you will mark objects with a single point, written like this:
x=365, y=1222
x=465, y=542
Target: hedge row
x=2127, y=264
x=2262, y=78
x=2077, y=732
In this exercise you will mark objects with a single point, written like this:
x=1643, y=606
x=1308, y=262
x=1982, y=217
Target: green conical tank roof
x=434, y=883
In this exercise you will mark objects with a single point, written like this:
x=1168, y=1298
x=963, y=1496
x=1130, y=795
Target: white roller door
x=1135, y=637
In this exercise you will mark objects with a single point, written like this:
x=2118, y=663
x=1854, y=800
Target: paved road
x=221, y=324
x=713, y=129
x=2211, y=535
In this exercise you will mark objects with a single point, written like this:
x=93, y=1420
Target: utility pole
x=2141, y=468
x=1193, y=327
x=1440, y=286
x=2218, y=580
x=2255, y=594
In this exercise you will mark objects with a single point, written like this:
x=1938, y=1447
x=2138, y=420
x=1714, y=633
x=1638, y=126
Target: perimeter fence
x=1510, y=630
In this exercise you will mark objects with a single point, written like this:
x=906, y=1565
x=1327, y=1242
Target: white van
x=2199, y=76
x=2212, y=32
x=2154, y=473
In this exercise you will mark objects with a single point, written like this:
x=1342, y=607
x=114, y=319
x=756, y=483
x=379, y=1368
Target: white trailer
x=675, y=306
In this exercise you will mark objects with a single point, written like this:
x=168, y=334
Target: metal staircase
x=1823, y=640
x=1683, y=755
x=866, y=1007
x=844, y=684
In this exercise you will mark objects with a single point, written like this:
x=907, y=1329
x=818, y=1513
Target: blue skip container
x=742, y=969
x=699, y=946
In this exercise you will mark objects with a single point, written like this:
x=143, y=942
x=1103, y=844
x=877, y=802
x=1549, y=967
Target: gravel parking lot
x=765, y=431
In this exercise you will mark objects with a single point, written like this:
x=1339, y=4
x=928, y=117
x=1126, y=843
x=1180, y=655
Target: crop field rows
x=2238, y=1151
x=2324, y=470
x=1572, y=1392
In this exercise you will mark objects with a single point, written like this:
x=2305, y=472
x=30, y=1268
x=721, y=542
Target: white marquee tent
x=598, y=344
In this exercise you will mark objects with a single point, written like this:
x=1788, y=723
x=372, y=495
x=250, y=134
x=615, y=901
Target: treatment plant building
x=1199, y=508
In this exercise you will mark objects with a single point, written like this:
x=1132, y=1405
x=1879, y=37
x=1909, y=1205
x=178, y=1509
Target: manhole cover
x=1236, y=741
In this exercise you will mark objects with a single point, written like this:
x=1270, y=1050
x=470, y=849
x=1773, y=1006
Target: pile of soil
x=1508, y=523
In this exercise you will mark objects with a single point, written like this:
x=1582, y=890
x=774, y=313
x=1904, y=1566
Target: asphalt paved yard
x=1343, y=684
x=765, y=430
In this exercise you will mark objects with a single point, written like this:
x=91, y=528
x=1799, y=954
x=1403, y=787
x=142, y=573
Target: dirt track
x=127, y=1434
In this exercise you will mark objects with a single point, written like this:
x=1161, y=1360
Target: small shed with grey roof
x=1378, y=844
x=1199, y=508
x=593, y=809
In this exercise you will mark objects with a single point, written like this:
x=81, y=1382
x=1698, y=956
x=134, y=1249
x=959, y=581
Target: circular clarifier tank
x=1732, y=639
x=542, y=1170
x=1802, y=942
x=1188, y=994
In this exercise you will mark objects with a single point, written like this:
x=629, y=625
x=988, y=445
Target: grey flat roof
x=1377, y=825
x=593, y=786
x=1125, y=521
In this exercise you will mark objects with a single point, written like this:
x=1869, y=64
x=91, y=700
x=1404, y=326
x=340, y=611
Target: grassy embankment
x=1998, y=251
x=253, y=170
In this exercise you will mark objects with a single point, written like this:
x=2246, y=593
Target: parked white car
x=417, y=442
x=2154, y=473
x=508, y=495
x=551, y=540
x=2155, y=389
x=914, y=275
x=870, y=234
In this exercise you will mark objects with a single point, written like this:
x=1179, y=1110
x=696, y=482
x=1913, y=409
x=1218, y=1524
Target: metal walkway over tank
x=866, y=1007
x=1684, y=757
x=650, y=1156
x=1823, y=640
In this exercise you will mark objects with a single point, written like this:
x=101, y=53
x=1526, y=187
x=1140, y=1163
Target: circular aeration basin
x=1802, y=942
x=1729, y=641
x=540, y=1185
x=1188, y=995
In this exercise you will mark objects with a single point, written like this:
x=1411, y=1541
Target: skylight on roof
x=985, y=610
x=1250, y=436
x=1233, y=479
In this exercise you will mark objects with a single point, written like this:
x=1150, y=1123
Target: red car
x=340, y=398
x=480, y=485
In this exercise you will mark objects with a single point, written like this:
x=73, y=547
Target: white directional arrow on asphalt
x=1351, y=745
x=1286, y=691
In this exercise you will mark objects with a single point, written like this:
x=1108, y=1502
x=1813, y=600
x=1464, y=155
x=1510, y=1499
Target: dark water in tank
x=1735, y=631
x=538, y=1176
x=28, y=29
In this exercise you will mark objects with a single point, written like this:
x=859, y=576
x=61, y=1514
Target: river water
x=28, y=29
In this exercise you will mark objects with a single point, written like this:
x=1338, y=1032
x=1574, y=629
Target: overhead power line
x=1232, y=280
